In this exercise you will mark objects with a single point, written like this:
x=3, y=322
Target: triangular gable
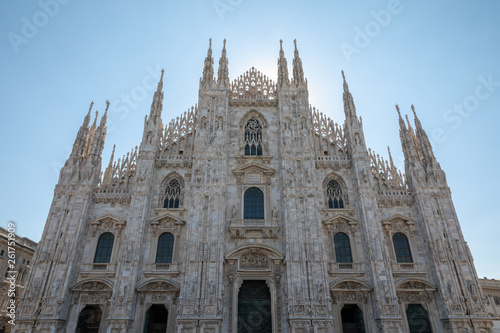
x=268, y=171
x=168, y=217
x=398, y=218
x=339, y=218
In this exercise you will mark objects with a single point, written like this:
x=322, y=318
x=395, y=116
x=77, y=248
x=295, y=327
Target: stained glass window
x=104, y=248
x=342, y=248
x=165, y=248
x=402, y=248
x=254, y=204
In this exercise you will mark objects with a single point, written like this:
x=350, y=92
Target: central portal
x=254, y=307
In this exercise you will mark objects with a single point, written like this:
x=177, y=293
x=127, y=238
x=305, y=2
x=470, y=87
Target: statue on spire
x=208, y=67
x=298, y=72
x=282, y=68
x=223, y=73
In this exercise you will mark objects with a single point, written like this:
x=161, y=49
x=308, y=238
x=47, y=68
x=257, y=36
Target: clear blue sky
x=441, y=56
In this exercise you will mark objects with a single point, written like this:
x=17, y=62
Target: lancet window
x=253, y=138
x=173, y=194
x=334, y=195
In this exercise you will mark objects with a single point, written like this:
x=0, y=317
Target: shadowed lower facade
x=253, y=212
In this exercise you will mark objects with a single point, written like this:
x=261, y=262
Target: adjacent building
x=21, y=260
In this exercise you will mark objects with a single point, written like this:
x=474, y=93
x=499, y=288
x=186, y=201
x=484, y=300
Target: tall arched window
x=334, y=194
x=173, y=194
x=253, y=138
x=342, y=248
x=165, y=248
x=254, y=204
x=402, y=248
x=104, y=248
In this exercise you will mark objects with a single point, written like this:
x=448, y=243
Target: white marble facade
x=187, y=183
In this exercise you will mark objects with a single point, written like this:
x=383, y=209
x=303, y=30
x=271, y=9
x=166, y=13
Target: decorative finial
x=397, y=108
x=281, y=44
x=413, y=109
x=210, y=43
x=162, y=72
x=107, y=105
x=343, y=76
x=295, y=43
x=224, y=44
x=91, y=105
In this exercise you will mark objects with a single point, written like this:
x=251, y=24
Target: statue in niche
x=274, y=213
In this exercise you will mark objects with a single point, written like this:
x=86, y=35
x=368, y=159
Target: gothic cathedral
x=252, y=212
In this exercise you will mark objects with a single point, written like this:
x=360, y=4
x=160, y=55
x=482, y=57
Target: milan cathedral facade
x=252, y=212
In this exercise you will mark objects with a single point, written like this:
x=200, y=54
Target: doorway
x=418, y=320
x=352, y=319
x=156, y=319
x=254, y=307
x=89, y=319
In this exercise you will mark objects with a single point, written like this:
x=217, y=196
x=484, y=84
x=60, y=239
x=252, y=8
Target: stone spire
x=208, y=68
x=282, y=68
x=99, y=134
x=108, y=173
x=427, y=157
x=223, y=73
x=353, y=123
x=153, y=125
x=81, y=137
x=157, y=103
x=298, y=72
x=413, y=167
x=349, y=107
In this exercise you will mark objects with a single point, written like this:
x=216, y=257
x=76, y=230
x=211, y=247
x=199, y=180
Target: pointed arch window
x=165, y=248
x=342, y=248
x=104, y=248
x=253, y=204
x=253, y=138
x=334, y=194
x=402, y=248
x=173, y=194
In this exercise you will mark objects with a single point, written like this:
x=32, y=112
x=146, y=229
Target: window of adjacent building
x=334, y=194
x=496, y=299
x=401, y=248
x=253, y=138
x=253, y=204
x=104, y=248
x=165, y=248
x=342, y=248
x=172, y=194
